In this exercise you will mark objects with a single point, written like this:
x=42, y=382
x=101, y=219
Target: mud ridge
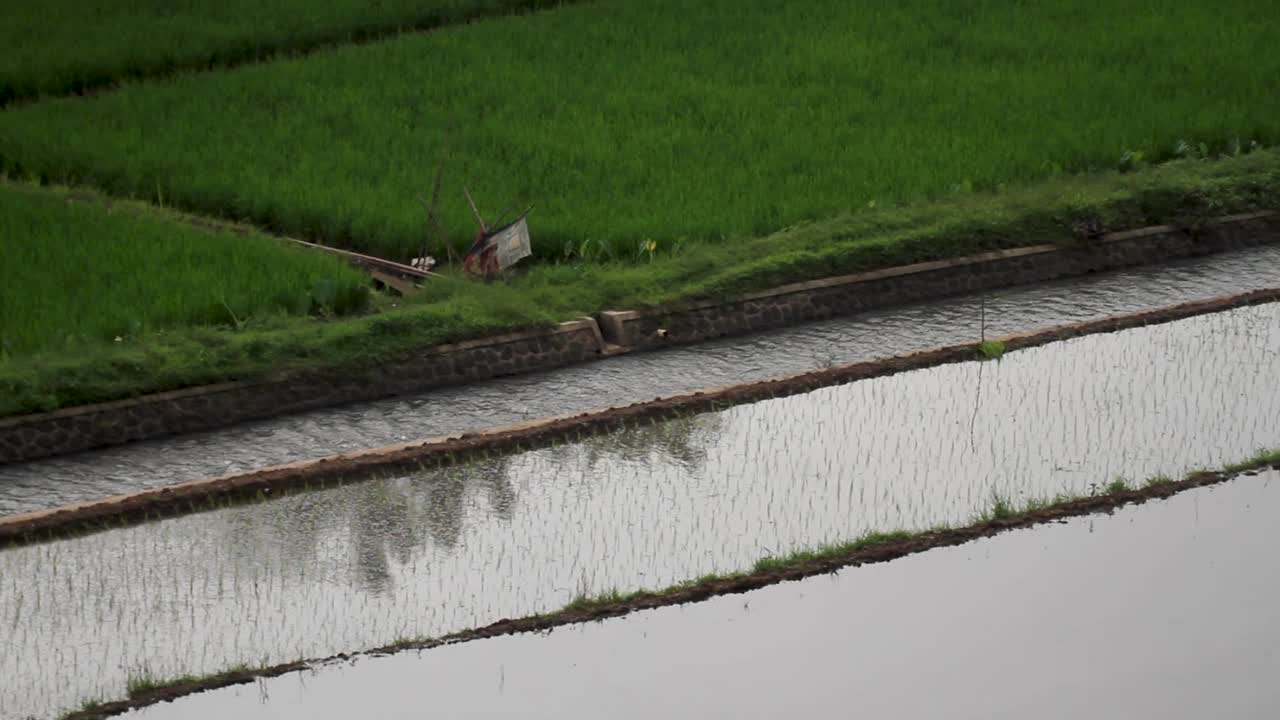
x=206, y=494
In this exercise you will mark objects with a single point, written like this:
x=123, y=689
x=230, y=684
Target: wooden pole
x=983, y=322
x=474, y=211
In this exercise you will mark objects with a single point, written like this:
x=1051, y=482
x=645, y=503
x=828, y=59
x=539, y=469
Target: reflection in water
x=435, y=551
x=1117, y=607
x=682, y=441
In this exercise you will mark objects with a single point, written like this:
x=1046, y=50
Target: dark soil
x=54, y=524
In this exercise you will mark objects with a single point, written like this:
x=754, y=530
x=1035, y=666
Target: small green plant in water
x=991, y=349
x=1002, y=509
x=1117, y=487
x=1260, y=458
x=583, y=601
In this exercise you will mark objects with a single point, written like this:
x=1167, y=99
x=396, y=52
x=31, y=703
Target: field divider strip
x=448, y=450
x=366, y=34
x=873, y=548
x=32, y=436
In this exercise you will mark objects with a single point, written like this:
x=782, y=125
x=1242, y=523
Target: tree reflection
x=385, y=523
x=683, y=441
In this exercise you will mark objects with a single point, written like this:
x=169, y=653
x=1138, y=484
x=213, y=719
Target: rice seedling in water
x=1262, y=457
x=143, y=682
x=675, y=128
x=422, y=555
x=1118, y=486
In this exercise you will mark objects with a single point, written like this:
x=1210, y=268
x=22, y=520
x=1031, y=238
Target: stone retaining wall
x=822, y=299
x=81, y=428
x=74, y=429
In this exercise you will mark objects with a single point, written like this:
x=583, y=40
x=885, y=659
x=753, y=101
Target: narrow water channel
x=623, y=380
x=432, y=552
x=1165, y=610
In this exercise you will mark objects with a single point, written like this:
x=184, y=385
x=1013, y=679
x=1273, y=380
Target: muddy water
x=1162, y=611
x=623, y=380
x=424, y=554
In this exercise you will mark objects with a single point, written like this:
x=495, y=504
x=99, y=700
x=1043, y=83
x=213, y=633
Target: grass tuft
x=143, y=682
x=1119, y=486
x=1263, y=457
x=991, y=349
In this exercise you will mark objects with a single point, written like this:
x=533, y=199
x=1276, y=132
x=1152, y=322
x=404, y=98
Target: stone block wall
x=74, y=429
x=823, y=299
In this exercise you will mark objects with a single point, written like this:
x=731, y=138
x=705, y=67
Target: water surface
x=1161, y=611
x=433, y=552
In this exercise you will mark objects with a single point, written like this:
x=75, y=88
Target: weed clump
x=991, y=349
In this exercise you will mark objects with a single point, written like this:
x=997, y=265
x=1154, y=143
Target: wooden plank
x=400, y=285
x=371, y=262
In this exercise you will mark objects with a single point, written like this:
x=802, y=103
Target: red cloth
x=480, y=259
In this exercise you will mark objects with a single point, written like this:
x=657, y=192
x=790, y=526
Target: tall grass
x=60, y=46
x=674, y=121
x=75, y=273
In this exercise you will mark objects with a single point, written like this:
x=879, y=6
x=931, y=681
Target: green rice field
x=74, y=273
x=624, y=121
x=60, y=46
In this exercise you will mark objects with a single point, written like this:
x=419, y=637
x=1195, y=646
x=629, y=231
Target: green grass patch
x=1260, y=459
x=583, y=601
x=829, y=551
x=629, y=121
x=452, y=309
x=1119, y=486
x=76, y=273
x=991, y=349
x=141, y=683
x=60, y=46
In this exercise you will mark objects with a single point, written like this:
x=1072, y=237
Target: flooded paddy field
x=437, y=551
x=1164, y=610
x=625, y=379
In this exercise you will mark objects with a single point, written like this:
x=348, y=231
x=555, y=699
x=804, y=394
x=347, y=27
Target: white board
x=511, y=243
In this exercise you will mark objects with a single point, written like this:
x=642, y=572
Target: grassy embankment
x=880, y=546
x=627, y=121
x=55, y=47
x=76, y=274
x=451, y=309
